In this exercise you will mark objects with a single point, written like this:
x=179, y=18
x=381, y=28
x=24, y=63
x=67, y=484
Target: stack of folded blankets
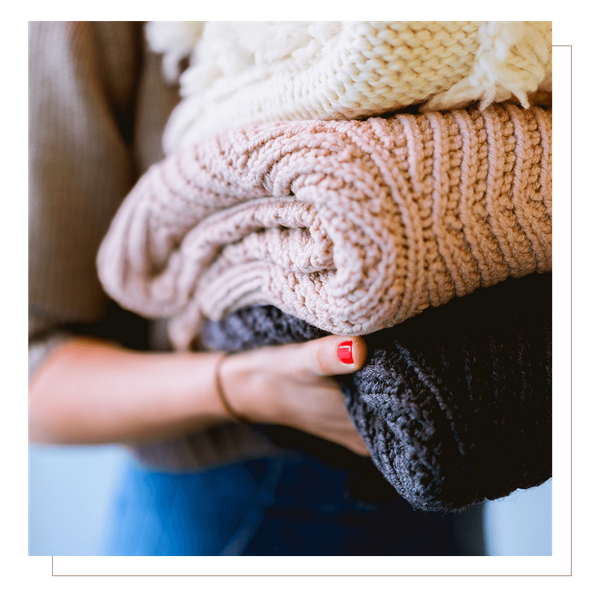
x=388, y=179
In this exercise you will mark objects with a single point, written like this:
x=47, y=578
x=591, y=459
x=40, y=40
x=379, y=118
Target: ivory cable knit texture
x=244, y=73
x=350, y=226
x=455, y=405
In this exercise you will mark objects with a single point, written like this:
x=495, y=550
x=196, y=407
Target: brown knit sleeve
x=82, y=85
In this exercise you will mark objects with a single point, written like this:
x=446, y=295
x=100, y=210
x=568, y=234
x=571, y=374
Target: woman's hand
x=292, y=385
x=93, y=392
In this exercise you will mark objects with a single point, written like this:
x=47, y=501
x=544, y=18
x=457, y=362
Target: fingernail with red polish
x=345, y=352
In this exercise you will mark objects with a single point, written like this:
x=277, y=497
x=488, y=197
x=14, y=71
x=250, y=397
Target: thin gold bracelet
x=226, y=405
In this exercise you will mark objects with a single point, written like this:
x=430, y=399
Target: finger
x=334, y=355
x=358, y=447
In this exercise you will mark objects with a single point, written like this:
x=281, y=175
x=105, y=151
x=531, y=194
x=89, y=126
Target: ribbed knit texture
x=84, y=79
x=243, y=73
x=350, y=226
x=455, y=405
x=59, y=193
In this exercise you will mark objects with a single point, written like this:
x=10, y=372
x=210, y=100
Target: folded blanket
x=455, y=405
x=243, y=73
x=350, y=226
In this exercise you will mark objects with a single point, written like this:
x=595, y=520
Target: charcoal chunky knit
x=454, y=404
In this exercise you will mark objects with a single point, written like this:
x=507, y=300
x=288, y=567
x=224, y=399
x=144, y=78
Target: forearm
x=93, y=392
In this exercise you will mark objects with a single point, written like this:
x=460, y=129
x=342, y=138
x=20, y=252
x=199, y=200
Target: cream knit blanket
x=243, y=73
x=351, y=226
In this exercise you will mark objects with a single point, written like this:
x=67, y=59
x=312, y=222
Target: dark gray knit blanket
x=455, y=404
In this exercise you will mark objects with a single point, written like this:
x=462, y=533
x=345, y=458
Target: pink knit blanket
x=352, y=226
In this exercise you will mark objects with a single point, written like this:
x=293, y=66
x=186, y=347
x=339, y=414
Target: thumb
x=334, y=355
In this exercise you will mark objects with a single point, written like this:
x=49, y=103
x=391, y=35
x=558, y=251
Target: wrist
x=241, y=381
x=225, y=404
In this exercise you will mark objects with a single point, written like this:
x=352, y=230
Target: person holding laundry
x=207, y=475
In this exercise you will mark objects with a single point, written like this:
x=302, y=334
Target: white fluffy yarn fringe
x=496, y=77
x=513, y=59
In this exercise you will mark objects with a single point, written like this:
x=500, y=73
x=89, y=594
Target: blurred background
x=70, y=489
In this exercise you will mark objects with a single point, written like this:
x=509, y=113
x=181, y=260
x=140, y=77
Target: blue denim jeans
x=293, y=505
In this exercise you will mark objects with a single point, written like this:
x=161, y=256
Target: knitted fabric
x=350, y=226
x=243, y=73
x=455, y=405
